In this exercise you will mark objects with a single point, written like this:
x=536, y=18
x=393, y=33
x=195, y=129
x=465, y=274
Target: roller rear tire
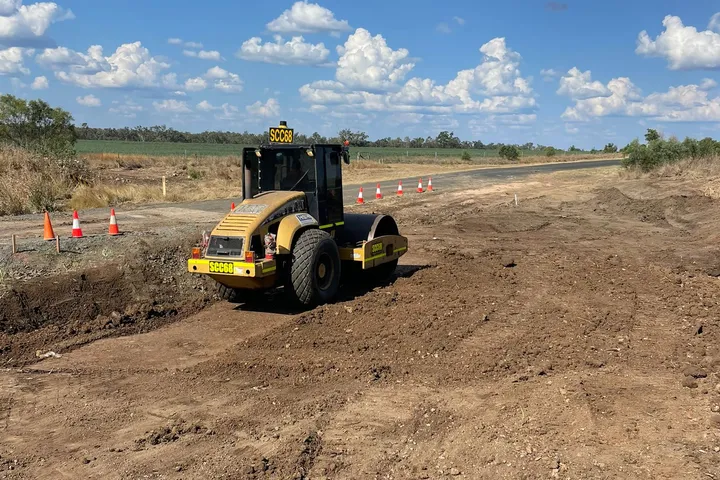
x=314, y=272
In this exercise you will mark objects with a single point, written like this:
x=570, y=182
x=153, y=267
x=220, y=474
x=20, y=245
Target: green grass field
x=210, y=149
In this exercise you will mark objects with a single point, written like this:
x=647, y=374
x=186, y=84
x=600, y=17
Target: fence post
x=164, y=190
x=14, y=244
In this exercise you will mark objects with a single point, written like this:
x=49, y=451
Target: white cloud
x=683, y=103
x=190, y=53
x=714, y=24
x=40, y=83
x=369, y=73
x=305, y=17
x=179, y=41
x=169, y=81
x=61, y=57
x=269, y=109
x=622, y=92
x=549, y=74
x=499, y=73
x=216, y=73
x=131, y=66
x=293, y=52
x=578, y=85
x=205, y=106
x=129, y=109
x=171, y=106
x=367, y=63
x=229, y=112
x=89, y=101
x=9, y=7
x=683, y=47
x=443, y=27
x=209, y=55
x=223, y=80
x=230, y=85
x=225, y=111
x=12, y=61
x=20, y=23
x=195, y=84
x=708, y=84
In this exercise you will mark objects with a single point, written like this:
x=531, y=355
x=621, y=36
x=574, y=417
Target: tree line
x=162, y=133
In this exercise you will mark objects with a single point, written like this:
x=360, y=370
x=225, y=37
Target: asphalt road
x=442, y=181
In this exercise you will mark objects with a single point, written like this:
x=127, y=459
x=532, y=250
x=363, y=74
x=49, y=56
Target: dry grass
x=706, y=169
x=104, y=161
x=137, y=179
x=106, y=195
x=30, y=183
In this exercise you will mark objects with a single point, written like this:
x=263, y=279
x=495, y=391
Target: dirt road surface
x=574, y=335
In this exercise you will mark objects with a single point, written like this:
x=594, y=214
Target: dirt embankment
x=575, y=335
x=142, y=290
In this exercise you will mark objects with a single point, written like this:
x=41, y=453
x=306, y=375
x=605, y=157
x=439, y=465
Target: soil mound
x=60, y=312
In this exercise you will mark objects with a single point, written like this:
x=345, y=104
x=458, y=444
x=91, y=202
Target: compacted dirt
x=574, y=335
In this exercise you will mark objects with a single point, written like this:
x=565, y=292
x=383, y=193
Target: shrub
x=659, y=151
x=195, y=174
x=550, y=151
x=510, y=152
x=465, y=157
x=610, y=148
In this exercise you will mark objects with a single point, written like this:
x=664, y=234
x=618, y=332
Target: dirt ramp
x=60, y=312
x=668, y=211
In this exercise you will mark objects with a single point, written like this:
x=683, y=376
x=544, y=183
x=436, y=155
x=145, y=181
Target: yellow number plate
x=281, y=135
x=220, y=267
x=377, y=248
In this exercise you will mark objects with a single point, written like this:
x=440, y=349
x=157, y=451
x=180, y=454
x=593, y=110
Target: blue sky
x=554, y=73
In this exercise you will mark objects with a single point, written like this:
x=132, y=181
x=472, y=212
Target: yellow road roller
x=291, y=231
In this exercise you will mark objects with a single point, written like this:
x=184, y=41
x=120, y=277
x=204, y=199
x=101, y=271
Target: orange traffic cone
x=113, y=230
x=48, y=233
x=429, y=189
x=399, y=190
x=232, y=206
x=360, y=196
x=76, y=230
x=420, y=187
x=378, y=195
